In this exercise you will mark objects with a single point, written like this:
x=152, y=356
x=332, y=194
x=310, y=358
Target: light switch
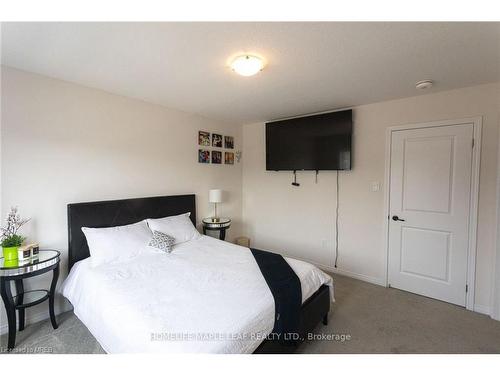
x=375, y=186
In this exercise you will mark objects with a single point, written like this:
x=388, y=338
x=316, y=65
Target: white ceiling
x=312, y=67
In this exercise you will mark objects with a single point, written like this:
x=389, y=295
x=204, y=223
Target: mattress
x=206, y=296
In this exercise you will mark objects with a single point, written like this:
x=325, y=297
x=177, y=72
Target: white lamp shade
x=215, y=196
x=247, y=65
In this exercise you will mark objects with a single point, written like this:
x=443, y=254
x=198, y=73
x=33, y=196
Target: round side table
x=221, y=225
x=47, y=260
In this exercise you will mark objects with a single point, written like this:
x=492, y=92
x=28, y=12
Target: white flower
x=14, y=222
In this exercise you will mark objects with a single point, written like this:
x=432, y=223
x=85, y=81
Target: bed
x=206, y=296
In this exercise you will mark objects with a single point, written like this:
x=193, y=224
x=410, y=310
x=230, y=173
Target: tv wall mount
x=295, y=183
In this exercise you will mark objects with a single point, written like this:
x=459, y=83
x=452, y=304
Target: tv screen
x=319, y=142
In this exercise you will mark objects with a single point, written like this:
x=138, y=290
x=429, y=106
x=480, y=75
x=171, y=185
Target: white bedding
x=206, y=296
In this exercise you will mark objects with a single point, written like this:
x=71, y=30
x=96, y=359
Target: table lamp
x=215, y=196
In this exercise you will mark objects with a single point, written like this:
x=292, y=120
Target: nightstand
x=220, y=225
x=47, y=260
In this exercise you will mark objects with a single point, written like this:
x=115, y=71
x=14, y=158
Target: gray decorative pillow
x=162, y=241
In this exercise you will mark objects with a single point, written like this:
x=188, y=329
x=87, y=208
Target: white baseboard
x=354, y=275
x=482, y=309
x=358, y=276
x=32, y=319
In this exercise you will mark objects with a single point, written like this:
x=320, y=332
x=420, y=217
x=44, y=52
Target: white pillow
x=180, y=227
x=114, y=244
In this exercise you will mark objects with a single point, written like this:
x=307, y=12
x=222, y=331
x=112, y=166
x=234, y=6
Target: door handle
x=396, y=218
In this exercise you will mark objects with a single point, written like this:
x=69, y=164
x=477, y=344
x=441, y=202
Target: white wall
x=64, y=143
x=300, y=221
x=496, y=281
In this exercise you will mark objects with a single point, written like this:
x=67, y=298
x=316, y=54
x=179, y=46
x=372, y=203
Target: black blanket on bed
x=286, y=290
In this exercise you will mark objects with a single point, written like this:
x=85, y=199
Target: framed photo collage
x=215, y=141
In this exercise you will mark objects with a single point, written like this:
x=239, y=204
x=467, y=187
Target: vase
x=10, y=253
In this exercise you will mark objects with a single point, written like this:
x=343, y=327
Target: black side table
x=221, y=225
x=48, y=260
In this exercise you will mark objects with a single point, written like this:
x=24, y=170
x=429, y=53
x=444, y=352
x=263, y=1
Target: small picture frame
x=204, y=156
x=228, y=157
x=203, y=138
x=24, y=254
x=35, y=251
x=228, y=141
x=216, y=157
x=216, y=140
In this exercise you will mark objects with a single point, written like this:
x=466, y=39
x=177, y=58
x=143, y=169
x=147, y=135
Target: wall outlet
x=375, y=186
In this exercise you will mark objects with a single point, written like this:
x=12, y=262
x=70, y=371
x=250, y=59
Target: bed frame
x=127, y=211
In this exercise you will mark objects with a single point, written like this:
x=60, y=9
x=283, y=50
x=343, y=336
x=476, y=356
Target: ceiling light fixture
x=424, y=85
x=247, y=65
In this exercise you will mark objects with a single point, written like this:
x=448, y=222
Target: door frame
x=477, y=123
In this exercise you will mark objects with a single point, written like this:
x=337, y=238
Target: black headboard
x=119, y=212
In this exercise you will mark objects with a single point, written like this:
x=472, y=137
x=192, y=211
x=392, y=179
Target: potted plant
x=9, y=239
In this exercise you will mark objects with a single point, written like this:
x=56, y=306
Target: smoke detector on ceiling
x=424, y=85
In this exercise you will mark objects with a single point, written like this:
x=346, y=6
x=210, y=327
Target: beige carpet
x=365, y=319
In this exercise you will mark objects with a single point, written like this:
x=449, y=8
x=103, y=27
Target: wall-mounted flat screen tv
x=318, y=142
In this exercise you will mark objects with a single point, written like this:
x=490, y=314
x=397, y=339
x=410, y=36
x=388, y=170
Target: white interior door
x=430, y=184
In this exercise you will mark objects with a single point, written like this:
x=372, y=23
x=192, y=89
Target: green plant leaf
x=12, y=241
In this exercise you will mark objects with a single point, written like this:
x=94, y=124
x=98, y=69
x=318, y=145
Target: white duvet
x=206, y=296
